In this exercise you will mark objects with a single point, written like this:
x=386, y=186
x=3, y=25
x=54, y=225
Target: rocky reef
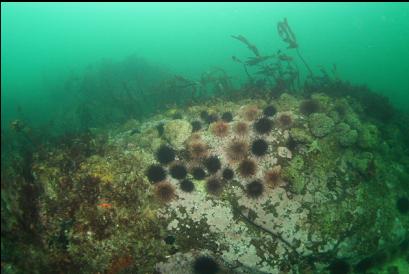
x=258, y=185
x=277, y=176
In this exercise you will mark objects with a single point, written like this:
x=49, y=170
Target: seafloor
x=267, y=185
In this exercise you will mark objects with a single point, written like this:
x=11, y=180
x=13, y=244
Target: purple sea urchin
x=259, y=147
x=228, y=174
x=212, y=164
x=227, y=117
x=255, y=189
x=263, y=125
x=214, y=186
x=198, y=173
x=205, y=265
x=309, y=106
x=270, y=111
x=187, y=185
x=156, y=173
x=178, y=171
x=165, y=154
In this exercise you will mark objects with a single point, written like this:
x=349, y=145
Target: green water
x=43, y=44
x=90, y=93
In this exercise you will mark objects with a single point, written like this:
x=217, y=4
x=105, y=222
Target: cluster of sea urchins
x=209, y=166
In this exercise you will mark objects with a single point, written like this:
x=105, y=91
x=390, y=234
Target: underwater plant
x=288, y=36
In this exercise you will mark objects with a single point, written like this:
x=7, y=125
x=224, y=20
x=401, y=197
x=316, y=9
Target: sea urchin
x=212, y=164
x=309, y=106
x=178, y=171
x=165, y=154
x=220, y=129
x=214, y=186
x=198, y=173
x=187, y=185
x=263, y=125
x=205, y=265
x=270, y=111
x=156, y=173
x=259, y=147
x=237, y=150
x=247, y=168
x=255, y=189
x=165, y=192
x=241, y=128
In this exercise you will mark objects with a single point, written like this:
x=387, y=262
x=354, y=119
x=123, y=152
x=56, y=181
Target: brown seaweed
x=288, y=36
x=244, y=40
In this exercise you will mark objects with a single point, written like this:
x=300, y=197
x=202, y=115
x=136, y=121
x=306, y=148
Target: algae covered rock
x=345, y=135
x=368, y=137
x=176, y=132
x=300, y=135
x=320, y=124
x=293, y=173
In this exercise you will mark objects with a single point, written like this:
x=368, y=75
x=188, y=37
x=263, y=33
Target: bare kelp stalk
x=288, y=36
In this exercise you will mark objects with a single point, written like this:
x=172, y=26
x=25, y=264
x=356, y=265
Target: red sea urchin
x=285, y=120
x=220, y=129
x=165, y=192
x=241, y=128
x=197, y=149
x=251, y=113
x=273, y=176
x=247, y=168
x=237, y=150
